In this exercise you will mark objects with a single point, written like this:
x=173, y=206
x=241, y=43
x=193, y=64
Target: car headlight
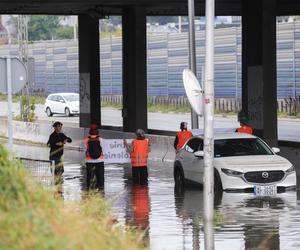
x=290, y=170
x=232, y=172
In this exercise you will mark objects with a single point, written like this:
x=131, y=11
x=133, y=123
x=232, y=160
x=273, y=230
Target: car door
x=60, y=104
x=192, y=165
x=49, y=102
x=53, y=104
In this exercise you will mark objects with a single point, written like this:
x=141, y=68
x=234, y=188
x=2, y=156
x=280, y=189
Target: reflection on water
x=173, y=220
x=138, y=208
x=242, y=221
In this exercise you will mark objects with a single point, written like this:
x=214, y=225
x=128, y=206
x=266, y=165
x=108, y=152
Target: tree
x=42, y=27
x=39, y=27
x=64, y=32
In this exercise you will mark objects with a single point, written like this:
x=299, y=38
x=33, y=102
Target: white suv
x=62, y=103
x=241, y=162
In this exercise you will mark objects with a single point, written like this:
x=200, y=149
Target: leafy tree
x=42, y=27
x=39, y=27
x=64, y=32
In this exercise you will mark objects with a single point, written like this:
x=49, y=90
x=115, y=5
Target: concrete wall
x=161, y=146
x=37, y=132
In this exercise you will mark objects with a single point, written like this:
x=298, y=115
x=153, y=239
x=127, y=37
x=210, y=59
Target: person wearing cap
x=182, y=136
x=244, y=127
x=139, y=150
x=94, y=157
x=56, y=143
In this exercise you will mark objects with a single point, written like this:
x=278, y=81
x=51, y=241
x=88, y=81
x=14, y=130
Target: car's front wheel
x=217, y=181
x=48, y=112
x=67, y=112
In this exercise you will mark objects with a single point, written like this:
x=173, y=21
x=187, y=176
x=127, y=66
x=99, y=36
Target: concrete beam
x=134, y=69
x=153, y=7
x=259, y=75
x=89, y=71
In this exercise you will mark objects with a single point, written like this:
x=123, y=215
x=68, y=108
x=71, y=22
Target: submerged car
x=62, y=103
x=241, y=162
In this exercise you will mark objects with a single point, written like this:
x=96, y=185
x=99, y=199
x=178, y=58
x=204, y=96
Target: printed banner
x=114, y=151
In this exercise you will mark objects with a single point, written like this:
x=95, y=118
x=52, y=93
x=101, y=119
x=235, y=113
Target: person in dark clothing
x=56, y=143
x=94, y=158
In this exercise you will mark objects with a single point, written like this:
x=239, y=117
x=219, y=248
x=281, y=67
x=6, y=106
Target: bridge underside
x=153, y=7
x=259, y=82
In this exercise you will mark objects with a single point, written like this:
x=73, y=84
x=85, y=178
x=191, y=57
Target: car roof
x=220, y=136
x=63, y=94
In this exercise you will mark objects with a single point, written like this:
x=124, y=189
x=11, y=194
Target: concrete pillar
x=134, y=69
x=259, y=79
x=89, y=70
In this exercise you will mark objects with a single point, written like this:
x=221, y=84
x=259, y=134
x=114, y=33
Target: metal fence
x=41, y=170
x=290, y=105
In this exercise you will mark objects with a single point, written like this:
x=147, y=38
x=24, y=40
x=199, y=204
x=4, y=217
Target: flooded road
x=174, y=220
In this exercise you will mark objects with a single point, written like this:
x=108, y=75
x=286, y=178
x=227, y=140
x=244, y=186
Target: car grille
x=264, y=176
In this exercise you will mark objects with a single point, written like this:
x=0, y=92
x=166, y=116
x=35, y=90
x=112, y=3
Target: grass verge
x=31, y=218
x=32, y=99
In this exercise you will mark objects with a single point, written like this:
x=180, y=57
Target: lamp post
x=208, y=197
x=192, y=53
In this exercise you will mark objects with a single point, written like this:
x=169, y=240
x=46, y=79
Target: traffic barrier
x=41, y=170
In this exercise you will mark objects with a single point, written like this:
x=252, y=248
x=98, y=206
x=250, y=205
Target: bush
x=31, y=218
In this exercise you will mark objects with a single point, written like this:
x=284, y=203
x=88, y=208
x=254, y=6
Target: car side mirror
x=62, y=101
x=276, y=150
x=199, y=154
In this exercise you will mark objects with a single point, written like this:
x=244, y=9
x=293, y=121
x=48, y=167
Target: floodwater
x=174, y=221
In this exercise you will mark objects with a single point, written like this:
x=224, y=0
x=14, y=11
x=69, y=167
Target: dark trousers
x=140, y=175
x=98, y=170
x=59, y=165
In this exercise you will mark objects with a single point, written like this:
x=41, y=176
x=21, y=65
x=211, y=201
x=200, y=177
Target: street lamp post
x=192, y=52
x=208, y=200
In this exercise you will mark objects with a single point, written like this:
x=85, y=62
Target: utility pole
x=208, y=196
x=192, y=53
x=23, y=55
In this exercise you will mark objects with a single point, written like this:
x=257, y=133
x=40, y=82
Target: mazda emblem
x=265, y=175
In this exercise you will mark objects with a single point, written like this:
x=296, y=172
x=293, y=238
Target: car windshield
x=241, y=146
x=71, y=98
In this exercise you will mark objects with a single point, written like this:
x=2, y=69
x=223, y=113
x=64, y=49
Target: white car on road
x=62, y=103
x=241, y=162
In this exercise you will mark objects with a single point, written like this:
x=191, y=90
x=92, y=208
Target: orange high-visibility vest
x=139, y=154
x=183, y=136
x=245, y=129
x=87, y=156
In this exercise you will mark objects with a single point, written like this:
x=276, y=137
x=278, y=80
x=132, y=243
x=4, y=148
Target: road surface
x=288, y=129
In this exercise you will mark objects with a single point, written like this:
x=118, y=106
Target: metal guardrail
x=41, y=170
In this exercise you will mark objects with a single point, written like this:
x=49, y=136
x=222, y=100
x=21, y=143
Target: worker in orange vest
x=94, y=157
x=243, y=119
x=244, y=128
x=139, y=150
x=182, y=136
